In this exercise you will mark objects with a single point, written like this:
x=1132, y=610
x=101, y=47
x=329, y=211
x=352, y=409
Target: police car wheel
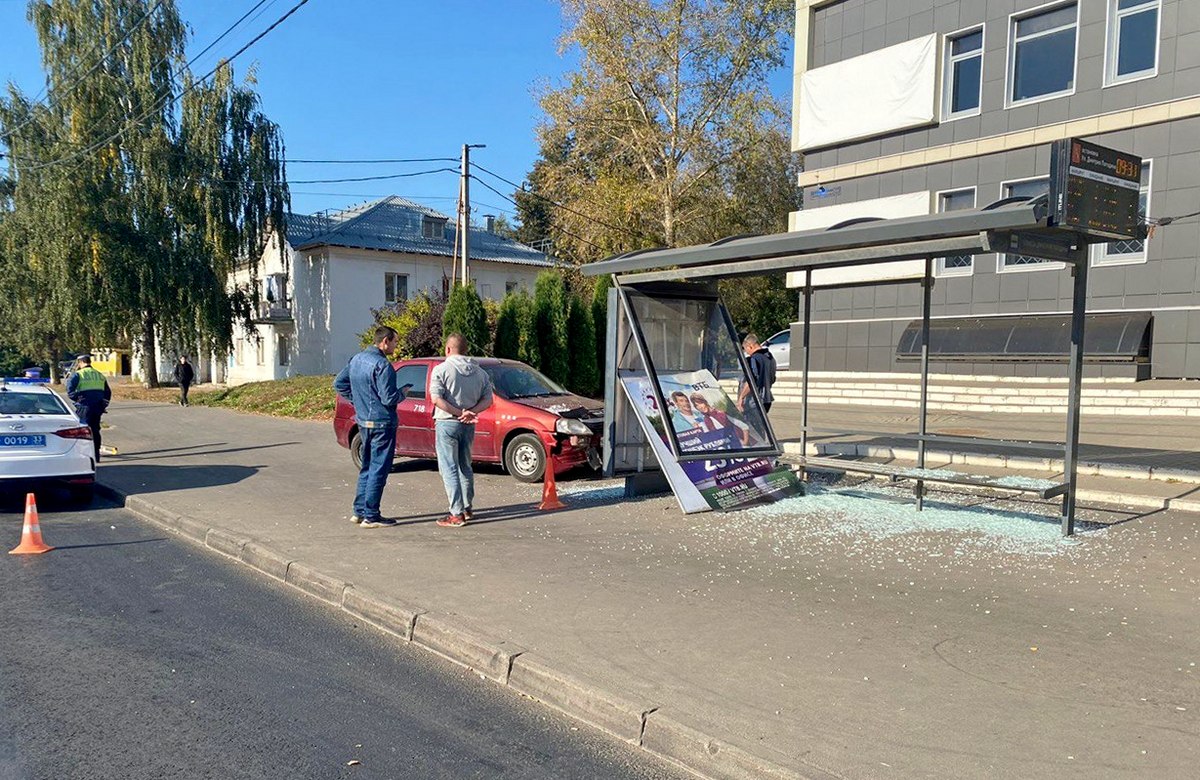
x=525, y=458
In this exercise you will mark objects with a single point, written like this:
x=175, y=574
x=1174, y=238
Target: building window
x=956, y=200
x=238, y=349
x=963, y=77
x=284, y=347
x=433, y=228
x=260, y=351
x=395, y=288
x=1129, y=250
x=511, y=287
x=1030, y=188
x=1041, y=54
x=485, y=291
x=1132, y=40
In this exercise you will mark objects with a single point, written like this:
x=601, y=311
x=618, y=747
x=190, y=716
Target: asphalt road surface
x=127, y=653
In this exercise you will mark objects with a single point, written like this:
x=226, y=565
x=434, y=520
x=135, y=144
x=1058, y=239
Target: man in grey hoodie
x=460, y=390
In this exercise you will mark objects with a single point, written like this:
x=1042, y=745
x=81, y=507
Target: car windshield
x=511, y=382
x=19, y=402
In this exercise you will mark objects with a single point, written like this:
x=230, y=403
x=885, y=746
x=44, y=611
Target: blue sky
x=367, y=79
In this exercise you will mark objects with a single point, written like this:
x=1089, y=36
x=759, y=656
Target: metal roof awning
x=857, y=242
x=1122, y=337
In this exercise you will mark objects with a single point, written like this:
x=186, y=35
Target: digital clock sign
x=1094, y=190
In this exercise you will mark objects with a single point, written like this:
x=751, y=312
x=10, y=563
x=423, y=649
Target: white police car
x=42, y=442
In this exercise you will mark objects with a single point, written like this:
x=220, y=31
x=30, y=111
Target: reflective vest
x=89, y=379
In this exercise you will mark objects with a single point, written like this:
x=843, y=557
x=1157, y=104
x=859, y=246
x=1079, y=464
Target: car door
x=414, y=415
x=781, y=348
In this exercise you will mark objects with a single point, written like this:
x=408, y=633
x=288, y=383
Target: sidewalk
x=832, y=637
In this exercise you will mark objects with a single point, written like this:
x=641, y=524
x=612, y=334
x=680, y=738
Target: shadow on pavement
x=108, y=544
x=151, y=454
x=133, y=479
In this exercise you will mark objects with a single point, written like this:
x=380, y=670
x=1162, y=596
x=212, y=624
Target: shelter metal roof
x=855, y=242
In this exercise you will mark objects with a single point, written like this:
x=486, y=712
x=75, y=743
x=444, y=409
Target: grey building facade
x=958, y=102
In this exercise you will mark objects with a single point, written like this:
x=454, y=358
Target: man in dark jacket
x=88, y=388
x=369, y=382
x=184, y=374
x=762, y=370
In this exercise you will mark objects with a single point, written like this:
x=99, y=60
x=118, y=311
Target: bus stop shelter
x=1029, y=227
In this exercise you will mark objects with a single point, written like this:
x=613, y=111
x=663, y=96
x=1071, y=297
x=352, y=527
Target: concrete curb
x=499, y=660
x=583, y=701
x=444, y=635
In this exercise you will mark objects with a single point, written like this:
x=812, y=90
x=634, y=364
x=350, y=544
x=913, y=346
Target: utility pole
x=465, y=209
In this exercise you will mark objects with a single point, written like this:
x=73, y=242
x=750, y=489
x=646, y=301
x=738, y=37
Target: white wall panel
x=908, y=205
x=880, y=92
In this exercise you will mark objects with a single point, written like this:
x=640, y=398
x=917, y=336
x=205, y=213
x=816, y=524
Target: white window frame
x=389, y=296
x=1112, y=39
x=948, y=60
x=1009, y=77
x=1044, y=265
x=1100, y=256
x=283, y=349
x=939, y=266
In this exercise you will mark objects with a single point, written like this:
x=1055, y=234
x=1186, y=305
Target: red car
x=526, y=405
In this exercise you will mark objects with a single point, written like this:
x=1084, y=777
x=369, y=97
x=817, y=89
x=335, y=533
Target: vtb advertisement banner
x=706, y=419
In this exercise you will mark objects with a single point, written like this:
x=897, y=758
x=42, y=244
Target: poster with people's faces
x=705, y=419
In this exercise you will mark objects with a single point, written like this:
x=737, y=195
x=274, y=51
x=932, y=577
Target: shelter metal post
x=804, y=363
x=611, y=389
x=1079, y=269
x=926, y=294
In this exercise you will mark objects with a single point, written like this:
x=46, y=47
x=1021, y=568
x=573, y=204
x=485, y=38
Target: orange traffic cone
x=31, y=534
x=549, y=486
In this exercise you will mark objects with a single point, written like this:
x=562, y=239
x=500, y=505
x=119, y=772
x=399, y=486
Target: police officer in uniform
x=88, y=388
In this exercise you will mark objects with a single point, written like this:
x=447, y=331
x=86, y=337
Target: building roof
x=394, y=224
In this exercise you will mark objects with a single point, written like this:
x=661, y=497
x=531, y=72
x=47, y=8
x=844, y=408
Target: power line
x=164, y=99
x=560, y=228
x=374, y=162
x=521, y=188
x=372, y=178
x=95, y=66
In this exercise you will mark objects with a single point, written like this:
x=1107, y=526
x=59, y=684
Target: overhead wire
x=560, y=228
x=564, y=207
x=46, y=92
x=168, y=98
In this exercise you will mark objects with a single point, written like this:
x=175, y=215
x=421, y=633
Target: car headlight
x=570, y=425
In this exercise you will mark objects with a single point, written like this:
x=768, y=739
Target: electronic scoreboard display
x=1094, y=190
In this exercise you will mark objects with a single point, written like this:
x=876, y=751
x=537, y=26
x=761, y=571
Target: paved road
x=128, y=654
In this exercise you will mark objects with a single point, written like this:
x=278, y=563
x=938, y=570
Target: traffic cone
x=31, y=534
x=549, y=486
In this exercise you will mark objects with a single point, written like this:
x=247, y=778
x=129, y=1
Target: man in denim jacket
x=369, y=382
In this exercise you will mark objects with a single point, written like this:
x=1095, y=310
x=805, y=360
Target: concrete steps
x=1159, y=398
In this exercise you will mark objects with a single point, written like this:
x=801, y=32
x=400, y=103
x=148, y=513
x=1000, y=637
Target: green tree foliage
x=530, y=352
x=667, y=121
x=507, y=343
x=759, y=304
x=600, y=319
x=466, y=314
x=135, y=190
x=581, y=338
x=550, y=325
x=418, y=323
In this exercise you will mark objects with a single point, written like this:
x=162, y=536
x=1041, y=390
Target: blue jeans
x=454, y=440
x=378, y=451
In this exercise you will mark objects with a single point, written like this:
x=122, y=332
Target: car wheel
x=82, y=495
x=356, y=450
x=525, y=458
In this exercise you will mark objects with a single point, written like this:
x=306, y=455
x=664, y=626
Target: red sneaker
x=453, y=521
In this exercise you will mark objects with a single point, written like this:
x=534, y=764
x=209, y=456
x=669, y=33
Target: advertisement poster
x=705, y=419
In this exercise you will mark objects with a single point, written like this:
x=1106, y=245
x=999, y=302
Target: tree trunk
x=149, y=351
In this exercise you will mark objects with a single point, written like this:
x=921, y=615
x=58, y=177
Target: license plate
x=22, y=440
